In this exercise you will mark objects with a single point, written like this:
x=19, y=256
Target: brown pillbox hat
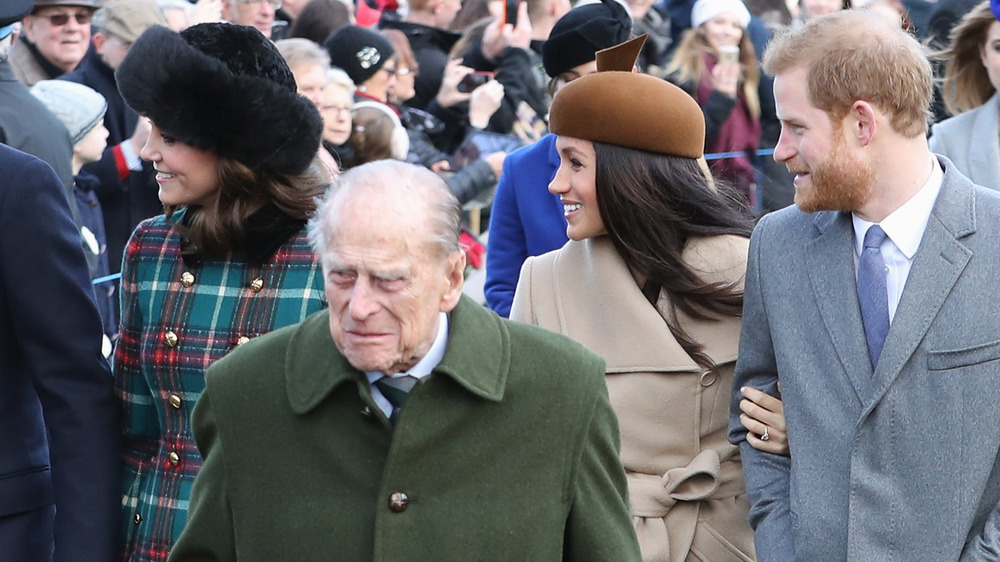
x=617, y=106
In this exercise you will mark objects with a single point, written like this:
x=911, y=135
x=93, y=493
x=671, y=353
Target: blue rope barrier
x=112, y=277
x=721, y=155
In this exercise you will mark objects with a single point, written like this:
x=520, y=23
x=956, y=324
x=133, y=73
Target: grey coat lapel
x=830, y=258
x=984, y=148
x=939, y=262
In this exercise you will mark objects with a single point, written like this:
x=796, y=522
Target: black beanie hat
x=223, y=88
x=584, y=30
x=359, y=51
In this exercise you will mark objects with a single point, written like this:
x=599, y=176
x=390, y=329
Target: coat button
x=187, y=279
x=708, y=378
x=242, y=340
x=398, y=502
x=256, y=285
x=137, y=519
x=171, y=339
x=174, y=458
x=366, y=412
x=175, y=401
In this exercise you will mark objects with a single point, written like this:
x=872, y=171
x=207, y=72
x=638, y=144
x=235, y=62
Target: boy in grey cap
x=81, y=110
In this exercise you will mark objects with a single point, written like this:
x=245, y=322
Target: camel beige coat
x=685, y=481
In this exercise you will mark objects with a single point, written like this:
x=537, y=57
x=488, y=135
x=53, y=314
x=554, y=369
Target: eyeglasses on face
x=337, y=108
x=276, y=4
x=59, y=19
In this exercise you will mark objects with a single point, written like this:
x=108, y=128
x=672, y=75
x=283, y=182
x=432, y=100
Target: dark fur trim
x=223, y=88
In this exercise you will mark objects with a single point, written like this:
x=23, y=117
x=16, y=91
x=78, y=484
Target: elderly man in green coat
x=406, y=422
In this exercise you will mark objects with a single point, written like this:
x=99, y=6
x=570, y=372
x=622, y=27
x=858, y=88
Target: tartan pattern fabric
x=176, y=321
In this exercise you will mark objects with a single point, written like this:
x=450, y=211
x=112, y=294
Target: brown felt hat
x=617, y=106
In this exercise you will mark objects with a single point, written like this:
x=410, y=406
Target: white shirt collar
x=905, y=226
x=429, y=361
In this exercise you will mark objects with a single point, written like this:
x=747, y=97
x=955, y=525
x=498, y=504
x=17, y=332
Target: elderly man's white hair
x=387, y=176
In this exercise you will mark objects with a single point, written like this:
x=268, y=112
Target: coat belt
x=669, y=502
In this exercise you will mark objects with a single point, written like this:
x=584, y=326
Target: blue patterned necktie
x=873, y=295
x=395, y=390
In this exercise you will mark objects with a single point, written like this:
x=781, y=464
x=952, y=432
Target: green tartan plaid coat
x=177, y=319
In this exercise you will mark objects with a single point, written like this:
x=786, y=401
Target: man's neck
x=898, y=179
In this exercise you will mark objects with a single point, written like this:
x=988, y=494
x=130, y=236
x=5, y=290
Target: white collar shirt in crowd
x=904, y=227
x=420, y=370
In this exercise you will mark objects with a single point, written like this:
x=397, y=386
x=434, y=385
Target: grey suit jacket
x=972, y=141
x=899, y=464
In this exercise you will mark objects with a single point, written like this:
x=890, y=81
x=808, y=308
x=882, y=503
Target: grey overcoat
x=900, y=464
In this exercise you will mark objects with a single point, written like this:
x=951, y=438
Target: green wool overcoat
x=508, y=451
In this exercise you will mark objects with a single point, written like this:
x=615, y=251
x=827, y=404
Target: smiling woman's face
x=575, y=183
x=186, y=175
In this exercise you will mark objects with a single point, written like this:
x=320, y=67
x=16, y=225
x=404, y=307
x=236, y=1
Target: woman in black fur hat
x=232, y=144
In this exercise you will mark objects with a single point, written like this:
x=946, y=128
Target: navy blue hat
x=11, y=12
x=359, y=51
x=584, y=30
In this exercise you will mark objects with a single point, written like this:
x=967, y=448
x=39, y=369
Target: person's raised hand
x=726, y=77
x=448, y=95
x=484, y=102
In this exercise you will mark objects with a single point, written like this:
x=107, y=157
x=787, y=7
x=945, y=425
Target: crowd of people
x=234, y=246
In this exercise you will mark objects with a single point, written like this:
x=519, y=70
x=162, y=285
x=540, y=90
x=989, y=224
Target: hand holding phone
x=509, y=14
x=729, y=54
x=474, y=80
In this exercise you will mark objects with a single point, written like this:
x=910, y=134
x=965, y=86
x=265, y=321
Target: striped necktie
x=395, y=390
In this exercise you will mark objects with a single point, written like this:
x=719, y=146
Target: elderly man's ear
x=456, y=280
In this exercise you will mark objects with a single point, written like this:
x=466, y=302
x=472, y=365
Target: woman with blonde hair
x=232, y=143
x=652, y=281
x=969, y=88
x=716, y=64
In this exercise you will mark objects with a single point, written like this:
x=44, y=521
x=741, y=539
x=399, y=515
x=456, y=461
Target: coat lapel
x=314, y=365
x=830, y=258
x=939, y=262
x=984, y=148
x=600, y=306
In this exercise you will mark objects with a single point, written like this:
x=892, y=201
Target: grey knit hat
x=78, y=107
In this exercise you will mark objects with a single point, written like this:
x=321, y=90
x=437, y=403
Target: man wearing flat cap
x=55, y=37
x=126, y=185
x=405, y=422
x=59, y=445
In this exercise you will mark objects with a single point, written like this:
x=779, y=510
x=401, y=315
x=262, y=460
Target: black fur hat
x=224, y=88
x=581, y=32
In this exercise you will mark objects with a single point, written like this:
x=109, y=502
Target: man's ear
x=455, y=271
x=99, y=39
x=864, y=121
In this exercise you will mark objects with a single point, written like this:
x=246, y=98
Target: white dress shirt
x=419, y=371
x=905, y=228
